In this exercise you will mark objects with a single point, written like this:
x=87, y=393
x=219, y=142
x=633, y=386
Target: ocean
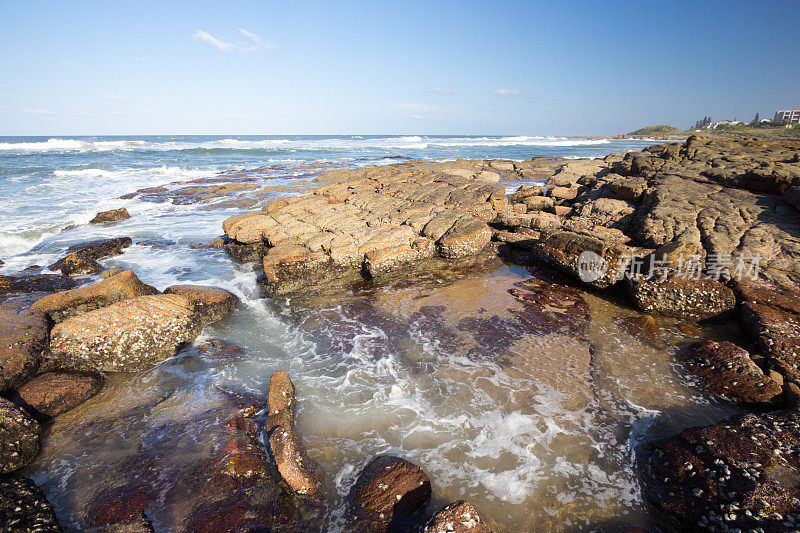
x=396, y=369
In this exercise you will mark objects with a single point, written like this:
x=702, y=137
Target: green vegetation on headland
x=763, y=130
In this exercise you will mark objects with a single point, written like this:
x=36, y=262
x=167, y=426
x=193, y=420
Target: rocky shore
x=705, y=231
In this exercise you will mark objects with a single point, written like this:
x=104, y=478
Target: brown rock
x=525, y=192
x=113, y=215
x=538, y=203
x=386, y=494
x=468, y=236
x=630, y=189
x=791, y=396
x=23, y=507
x=287, y=450
x=727, y=370
x=19, y=437
x=212, y=303
x=23, y=338
x=126, y=336
x=53, y=393
x=121, y=286
x=682, y=297
x=458, y=517
x=766, y=293
x=563, y=193
x=551, y=306
x=36, y=283
x=775, y=332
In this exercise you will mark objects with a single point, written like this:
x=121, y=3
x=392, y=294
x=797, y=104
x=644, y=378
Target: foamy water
x=537, y=429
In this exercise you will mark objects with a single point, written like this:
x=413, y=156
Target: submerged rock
x=114, y=288
x=19, y=437
x=35, y=283
x=53, y=393
x=24, y=335
x=682, y=297
x=728, y=370
x=386, y=495
x=458, y=517
x=741, y=473
x=127, y=336
x=112, y=215
x=24, y=507
x=287, y=450
x=552, y=306
x=212, y=303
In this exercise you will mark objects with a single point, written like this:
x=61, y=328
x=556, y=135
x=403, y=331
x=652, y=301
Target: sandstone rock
x=792, y=196
x=676, y=254
x=212, y=303
x=682, y=297
x=110, y=272
x=115, y=288
x=791, y=396
x=569, y=251
x=769, y=294
x=36, y=283
x=468, y=236
x=526, y=192
x=113, y=215
x=505, y=165
x=538, y=203
x=386, y=494
x=23, y=337
x=552, y=306
x=776, y=333
x=19, y=437
x=727, y=370
x=287, y=450
x=563, y=193
x=53, y=393
x=458, y=517
x=24, y=507
x=630, y=189
x=746, y=461
x=126, y=336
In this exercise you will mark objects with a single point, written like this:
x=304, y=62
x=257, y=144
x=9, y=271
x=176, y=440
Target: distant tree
x=757, y=120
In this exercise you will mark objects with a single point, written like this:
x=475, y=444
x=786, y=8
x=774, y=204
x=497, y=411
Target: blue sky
x=548, y=68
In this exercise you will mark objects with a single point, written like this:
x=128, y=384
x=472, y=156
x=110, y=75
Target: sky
x=428, y=67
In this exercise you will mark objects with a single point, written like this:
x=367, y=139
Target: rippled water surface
x=535, y=421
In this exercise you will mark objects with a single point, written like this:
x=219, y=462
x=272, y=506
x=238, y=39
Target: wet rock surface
x=114, y=288
x=682, y=297
x=126, y=336
x=83, y=259
x=212, y=303
x=24, y=335
x=53, y=393
x=458, y=517
x=729, y=371
x=741, y=473
x=386, y=495
x=287, y=450
x=113, y=215
x=19, y=437
x=23, y=507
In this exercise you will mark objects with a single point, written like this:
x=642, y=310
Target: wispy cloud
x=505, y=92
x=441, y=90
x=2, y=86
x=414, y=106
x=37, y=111
x=251, y=42
x=80, y=114
x=415, y=117
x=67, y=63
x=116, y=97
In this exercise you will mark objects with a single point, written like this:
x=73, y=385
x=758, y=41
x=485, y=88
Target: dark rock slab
x=83, y=259
x=552, y=306
x=682, y=297
x=775, y=332
x=24, y=507
x=386, y=495
x=741, y=473
x=35, y=283
x=24, y=335
x=766, y=293
x=727, y=370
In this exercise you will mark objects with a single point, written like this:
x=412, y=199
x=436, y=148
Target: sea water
x=538, y=431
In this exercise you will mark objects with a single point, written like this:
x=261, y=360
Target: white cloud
x=37, y=111
x=121, y=114
x=67, y=63
x=2, y=86
x=415, y=117
x=80, y=114
x=251, y=43
x=505, y=92
x=440, y=90
x=116, y=97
